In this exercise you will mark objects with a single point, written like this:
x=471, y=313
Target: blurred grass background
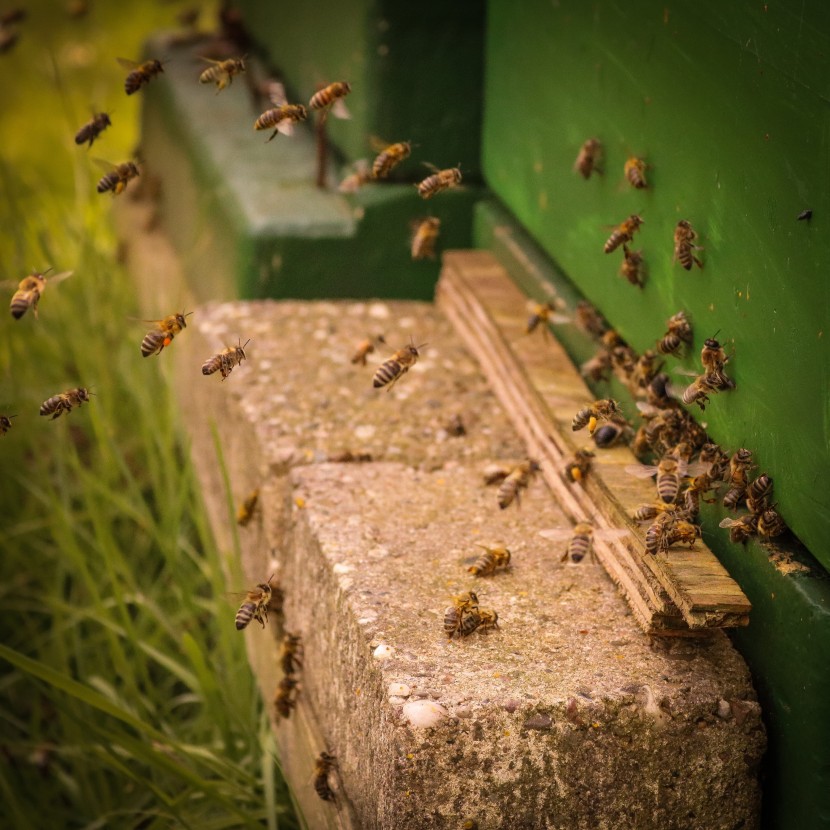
x=125, y=694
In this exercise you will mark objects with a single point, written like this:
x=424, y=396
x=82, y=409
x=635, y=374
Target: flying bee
x=492, y=558
x=365, y=348
x=679, y=333
x=281, y=119
x=118, y=176
x=92, y=129
x=649, y=512
x=438, y=181
x=589, y=319
x=362, y=174
x=291, y=654
x=542, y=314
x=589, y=157
x=425, y=237
x=633, y=267
x=684, y=237
x=770, y=523
x=578, y=467
x=255, y=606
x=324, y=764
x=6, y=423
x=140, y=73
x=29, y=291
x=393, y=369
x=225, y=360
x=389, y=158
x=624, y=232
x=246, y=509
x=601, y=410
x=495, y=474
x=329, y=99
x=635, y=172
x=285, y=698
x=759, y=493
x=64, y=402
x=739, y=466
x=741, y=529
x=518, y=480
x=610, y=434
x=166, y=329
x=222, y=73
x=597, y=368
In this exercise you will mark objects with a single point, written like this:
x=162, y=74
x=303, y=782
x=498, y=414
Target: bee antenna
x=246, y=342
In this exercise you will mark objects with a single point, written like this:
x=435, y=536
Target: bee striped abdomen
x=387, y=372
x=154, y=341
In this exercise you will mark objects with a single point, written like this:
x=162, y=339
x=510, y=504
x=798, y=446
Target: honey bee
x=438, y=181
x=92, y=129
x=225, y=360
x=588, y=160
x=487, y=618
x=580, y=544
x=684, y=237
x=717, y=460
x=166, y=329
x=285, y=698
x=29, y=291
x=741, y=529
x=657, y=392
x=349, y=457
x=597, y=368
x=118, y=176
x=635, y=172
x=633, y=267
x=683, y=533
x=222, y=72
x=6, y=423
x=389, y=158
x=492, y=558
x=354, y=181
x=64, y=402
x=425, y=237
x=393, y=369
x=770, y=523
x=330, y=99
x=291, y=654
x=739, y=465
x=697, y=392
x=697, y=489
x=246, y=509
x=649, y=512
x=624, y=359
x=669, y=471
x=645, y=369
x=542, y=314
x=462, y=604
x=610, y=434
x=365, y=348
x=624, y=232
x=455, y=426
x=495, y=474
x=281, y=119
x=679, y=333
x=657, y=534
x=601, y=410
x=255, y=606
x=324, y=764
x=578, y=467
x=140, y=73
x=518, y=479
x=759, y=493
x=589, y=319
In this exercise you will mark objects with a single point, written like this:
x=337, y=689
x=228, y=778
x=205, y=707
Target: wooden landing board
x=683, y=592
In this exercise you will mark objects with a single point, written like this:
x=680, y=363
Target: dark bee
x=291, y=654
x=645, y=369
x=140, y=73
x=157, y=339
x=578, y=467
x=64, y=402
x=255, y=606
x=741, y=529
x=698, y=488
x=770, y=523
x=739, y=466
x=246, y=509
x=6, y=423
x=118, y=177
x=454, y=614
x=610, y=434
x=389, y=158
x=657, y=392
x=425, y=237
x=805, y=215
x=759, y=493
x=392, y=370
x=518, y=479
x=657, y=535
x=541, y=314
x=225, y=360
x=633, y=267
x=603, y=409
x=679, y=333
x=92, y=129
x=597, y=368
x=491, y=559
x=717, y=460
x=455, y=426
x=324, y=764
x=222, y=72
x=438, y=181
x=624, y=232
x=684, y=237
x=329, y=99
x=635, y=172
x=285, y=698
x=589, y=319
x=649, y=512
x=587, y=161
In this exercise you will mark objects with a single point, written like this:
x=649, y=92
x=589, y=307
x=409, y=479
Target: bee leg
x=697, y=262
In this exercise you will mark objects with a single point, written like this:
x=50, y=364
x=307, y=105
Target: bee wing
x=340, y=110
x=729, y=522
x=378, y=144
x=285, y=127
x=275, y=91
x=695, y=469
x=641, y=470
x=430, y=166
x=106, y=166
x=128, y=64
x=209, y=60
x=557, y=533
x=60, y=277
x=611, y=533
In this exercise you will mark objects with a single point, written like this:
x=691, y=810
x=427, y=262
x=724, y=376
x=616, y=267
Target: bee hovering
x=166, y=329
x=29, y=291
x=246, y=509
x=255, y=606
x=601, y=410
x=365, y=348
x=93, y=128
x=438, y=181
x=222, y=73
x=330, y=99
x=392, y=370
x=225, y=360
x=118, y=176
x=389, y=158
x=140, y=74
x=282, y=116
x=425, y=237
x=6, y=423
x=64, y=402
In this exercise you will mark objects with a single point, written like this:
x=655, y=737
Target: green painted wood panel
x=728, y=103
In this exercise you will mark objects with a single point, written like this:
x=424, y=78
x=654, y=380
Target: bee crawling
x=623, y=233
x=588, y=160
x=635, y=172
x=325, y=763
x=285, y=697
x=490, y=560
x=577, y=468
x=684, y=237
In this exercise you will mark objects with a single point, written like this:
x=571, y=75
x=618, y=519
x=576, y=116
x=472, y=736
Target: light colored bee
x=225, y=360
x=518, y=480
x=425, y=237
x=330, y=99
x=140, y=74
x=588, y=160
x=282, y=116
x=454, y=614
x=389, y=158
x=64, y=402
x=578, y=467
x=684, y=237
x=635, y=172
x=255, y=606
x=222, y=73
x=393, y=369
x=624, y=232
x=361, y=175
x=6, y=423
x=365, y=348
x=490, y=560
x=580, y=539
x=600, y=410
x=246, y=509
x=438, y=181
x=166, y=329
x=30, y=290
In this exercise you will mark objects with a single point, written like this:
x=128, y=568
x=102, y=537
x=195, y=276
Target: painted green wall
x=729, y=105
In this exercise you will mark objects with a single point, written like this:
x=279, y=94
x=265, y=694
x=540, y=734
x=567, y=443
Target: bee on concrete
x=518, y=479
x=649, y=512
x=759, y=494
x=6, y=423
x=487, y=618
x=739, y=466
x=770, y=523
x=255, y=606
x=291, y=654
x=222, y=73
x=425, y=237
x=438, y=181
x=118, y=176
x=92, y=129
x=64, y=402
x=492, y=558
x=246, y=509
x=389, y=158
x=166, y=329
x=324, y=764
x=225, y=360
x=679, y=333
x=455, y=426
x=633, y=267
x=635, y=172
x=578, y=467
x=624, y=232
x=393, y=369
x=462, y=605
x=611, y=434
x=329, y=99
x=285, y=698
x=600, y=410
x=140, y=73
x=684, y=237
x=29, y=291
x=598, y=367
x=365, y=348
x=589, y=157
x=589, y=319
x=349, y=457
x=741, y=529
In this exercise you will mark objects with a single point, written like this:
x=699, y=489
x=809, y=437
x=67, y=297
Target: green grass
x=127, y=700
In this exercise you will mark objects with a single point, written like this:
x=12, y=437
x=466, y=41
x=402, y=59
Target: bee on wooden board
x=681, y=532
x=291, y=654
x=393, y=369
x=225, y=360
x=657, y=534
x=438, y=181
x=139, y=73
x=330, y=99
x=6, y=423
x=669, y=471
x=518, y=479
x=222, y=73
x=255, y=606
x=633, y=267
x=323, y=766
x=64, y=402
x=282, y=117
x=118, y=176
x=635, y=172
x=365, y=348
x=285, y=697
x=624, y=232
x=389, y=158
x=361, y=175
x=741, y=529
x=578, y=467
x=490, y=560
x=600, y=410
x=246, y=509
x=588, y=160
x=93, y=128
x=580, y=539
x=684, y=237
x=425, y=237
x=696, y=491
x=678, y=334
x=29, y=291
